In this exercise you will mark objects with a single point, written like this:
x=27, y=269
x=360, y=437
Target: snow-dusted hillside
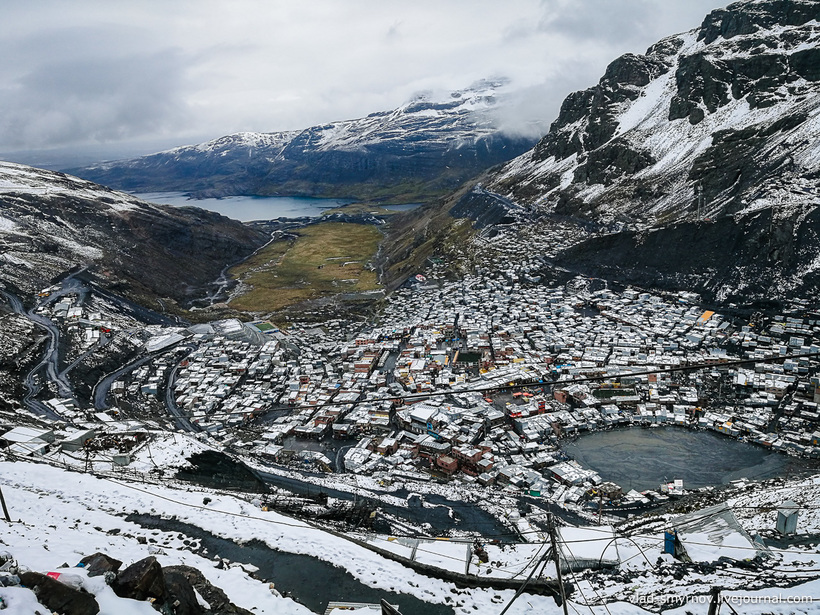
x=64, y=517
x=423, y=146
x=51, y=222
x=732, y=106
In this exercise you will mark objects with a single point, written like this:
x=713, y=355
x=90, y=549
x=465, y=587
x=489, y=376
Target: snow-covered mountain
x=731, y=108
x=422, y=148
x=694, y=166
x=51, y=222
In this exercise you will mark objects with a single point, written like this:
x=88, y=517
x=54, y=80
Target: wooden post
x=714, y=602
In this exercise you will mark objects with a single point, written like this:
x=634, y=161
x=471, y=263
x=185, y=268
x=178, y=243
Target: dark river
x=643, y=458
x=309, y=580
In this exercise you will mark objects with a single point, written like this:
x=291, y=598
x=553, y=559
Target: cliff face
x=693, y=166
x=51, y=222
x=762, y=256
x=421, y=149
x=730, y=108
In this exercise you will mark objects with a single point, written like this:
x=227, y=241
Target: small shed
x=32, y=447
x=582, y=548
x=787, y=518
x=76, y=438
x=121, y=459
x=713, y=532
x=27, y=434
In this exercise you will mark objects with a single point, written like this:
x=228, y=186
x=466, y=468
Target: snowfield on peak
x=423, y=148
x=721, y=108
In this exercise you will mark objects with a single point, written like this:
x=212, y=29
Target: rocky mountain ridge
x=707, y=123
x=51, y=222
x=425, y=147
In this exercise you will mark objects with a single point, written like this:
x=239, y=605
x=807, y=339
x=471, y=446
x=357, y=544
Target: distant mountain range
x=695, y=165
x=422, y=149
x=51, y=222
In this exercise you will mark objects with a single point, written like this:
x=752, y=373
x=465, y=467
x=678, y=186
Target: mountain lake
x=248, y=208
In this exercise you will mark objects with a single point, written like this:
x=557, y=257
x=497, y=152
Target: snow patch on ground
x=44, y=494
x=56, y=515
x=170, y=450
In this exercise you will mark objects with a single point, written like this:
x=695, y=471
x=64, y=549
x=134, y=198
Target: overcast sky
x=142, y=73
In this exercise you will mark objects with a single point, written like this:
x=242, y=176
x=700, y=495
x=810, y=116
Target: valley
x=447, y=418
x=417, y=152
x=326, y=259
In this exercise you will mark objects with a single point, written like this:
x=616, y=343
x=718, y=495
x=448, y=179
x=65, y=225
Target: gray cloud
x=91, y=72
x=602, y=21
x=394, y=31
x=626, y=22
x=90, y=85
x=583, y=37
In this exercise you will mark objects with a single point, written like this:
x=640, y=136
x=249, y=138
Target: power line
x=522, y=533
x=307, y=525
x=608, y=532
x=541, y=558
x=304, y=525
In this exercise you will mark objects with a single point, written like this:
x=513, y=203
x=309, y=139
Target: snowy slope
x=51, y=222
x=66, y=516
x=60, y=517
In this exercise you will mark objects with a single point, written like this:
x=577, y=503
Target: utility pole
x=556, y=557
x=5, y=510
x=542, y=561
x=714, y=601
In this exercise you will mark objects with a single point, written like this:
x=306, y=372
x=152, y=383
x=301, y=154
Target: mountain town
x=497, y=374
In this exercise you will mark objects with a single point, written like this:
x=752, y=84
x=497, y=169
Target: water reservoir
x=641, y=459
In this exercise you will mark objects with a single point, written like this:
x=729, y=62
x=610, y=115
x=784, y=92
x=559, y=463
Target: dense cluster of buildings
x=479, y=381
x=87, y=325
